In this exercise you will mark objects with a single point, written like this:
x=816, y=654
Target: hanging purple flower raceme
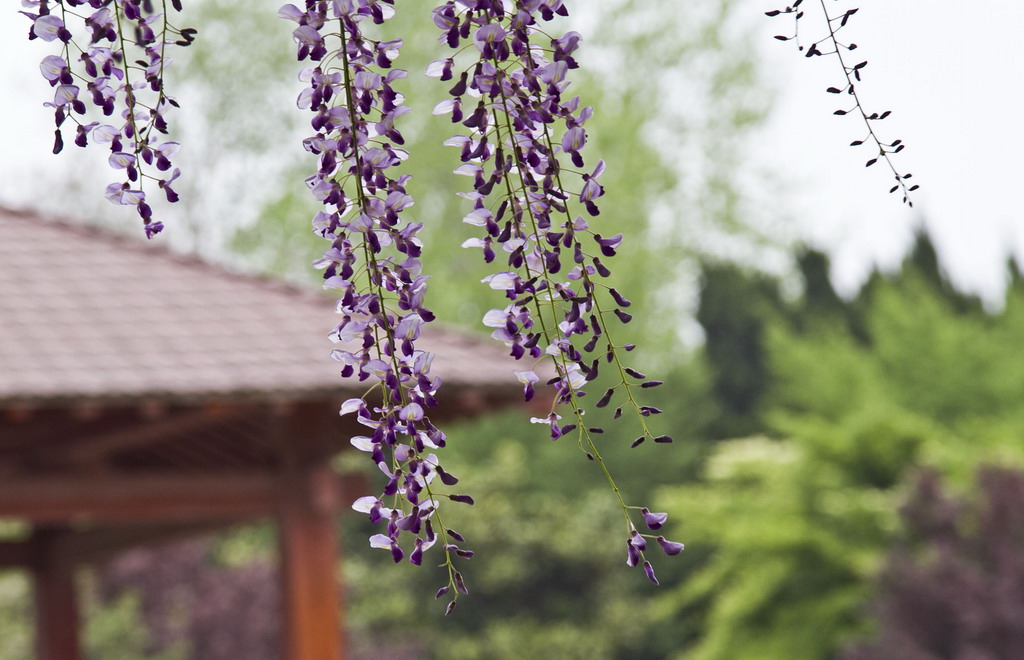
x=116, y=66
x=534, y=198
x=373, y=264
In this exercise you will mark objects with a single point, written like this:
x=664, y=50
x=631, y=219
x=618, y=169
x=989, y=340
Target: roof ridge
x=134, y=243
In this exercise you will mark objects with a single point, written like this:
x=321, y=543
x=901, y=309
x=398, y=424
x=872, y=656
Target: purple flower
x=608, y=245
x=50, y=27
x=648, y=571
x=53, y=68
x=654, y=520
x=574, y=140
x=528, y=379
x=632, y=554
x=490, y=41
x=670, y=547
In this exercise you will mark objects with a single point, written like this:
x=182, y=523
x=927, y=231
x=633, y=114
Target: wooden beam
x=56, y=602
x=91, y=449
x=102, y=543
x=77, y=547
x=16, y=554
x=120, y=498
x=308, y=546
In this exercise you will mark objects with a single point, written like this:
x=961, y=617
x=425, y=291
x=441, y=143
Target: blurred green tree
x=797, y=521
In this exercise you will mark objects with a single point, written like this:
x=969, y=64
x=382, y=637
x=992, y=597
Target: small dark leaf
x=856, y=143
x=638, y=442
x=899, y=148
x=852, y=47
x=839, y=112
x=893, y=189
x=885, y=114
x=863, y=64
x=834, y=90
x=871, y=162
x=907, y=176
x=774, y=12
x=913, y=188
x=782, y=38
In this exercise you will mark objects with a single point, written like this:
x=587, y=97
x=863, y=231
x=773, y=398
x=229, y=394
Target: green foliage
x=113, y=631
x=15, y=616
x=735, y=342
x=859, y=396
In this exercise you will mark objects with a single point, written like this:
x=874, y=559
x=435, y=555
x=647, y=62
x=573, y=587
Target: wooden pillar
x=308, y=550
x=56, y=602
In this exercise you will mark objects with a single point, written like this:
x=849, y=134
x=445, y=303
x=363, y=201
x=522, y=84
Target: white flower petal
x=380, y=541
x=362, y=443
x=350, y=406
x=365, y=504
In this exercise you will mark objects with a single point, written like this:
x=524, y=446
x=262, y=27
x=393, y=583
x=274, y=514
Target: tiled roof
x=84, y=315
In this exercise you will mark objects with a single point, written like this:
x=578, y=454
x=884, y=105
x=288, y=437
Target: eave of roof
x=86, y=316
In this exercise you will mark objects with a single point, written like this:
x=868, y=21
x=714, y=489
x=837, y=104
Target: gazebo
x=146, y=396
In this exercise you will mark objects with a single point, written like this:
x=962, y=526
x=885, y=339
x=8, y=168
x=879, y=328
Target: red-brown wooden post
x=56, y=602
x=308, y=548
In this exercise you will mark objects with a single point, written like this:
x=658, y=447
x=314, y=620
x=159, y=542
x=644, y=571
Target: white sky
x=950, y=72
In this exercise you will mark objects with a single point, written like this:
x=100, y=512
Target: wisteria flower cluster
x=373, y=264
x=116, y=66
x=534, y=199
x=853, y=74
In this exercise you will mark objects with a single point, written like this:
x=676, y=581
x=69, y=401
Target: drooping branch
x=852, y=74
x=531, y=193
